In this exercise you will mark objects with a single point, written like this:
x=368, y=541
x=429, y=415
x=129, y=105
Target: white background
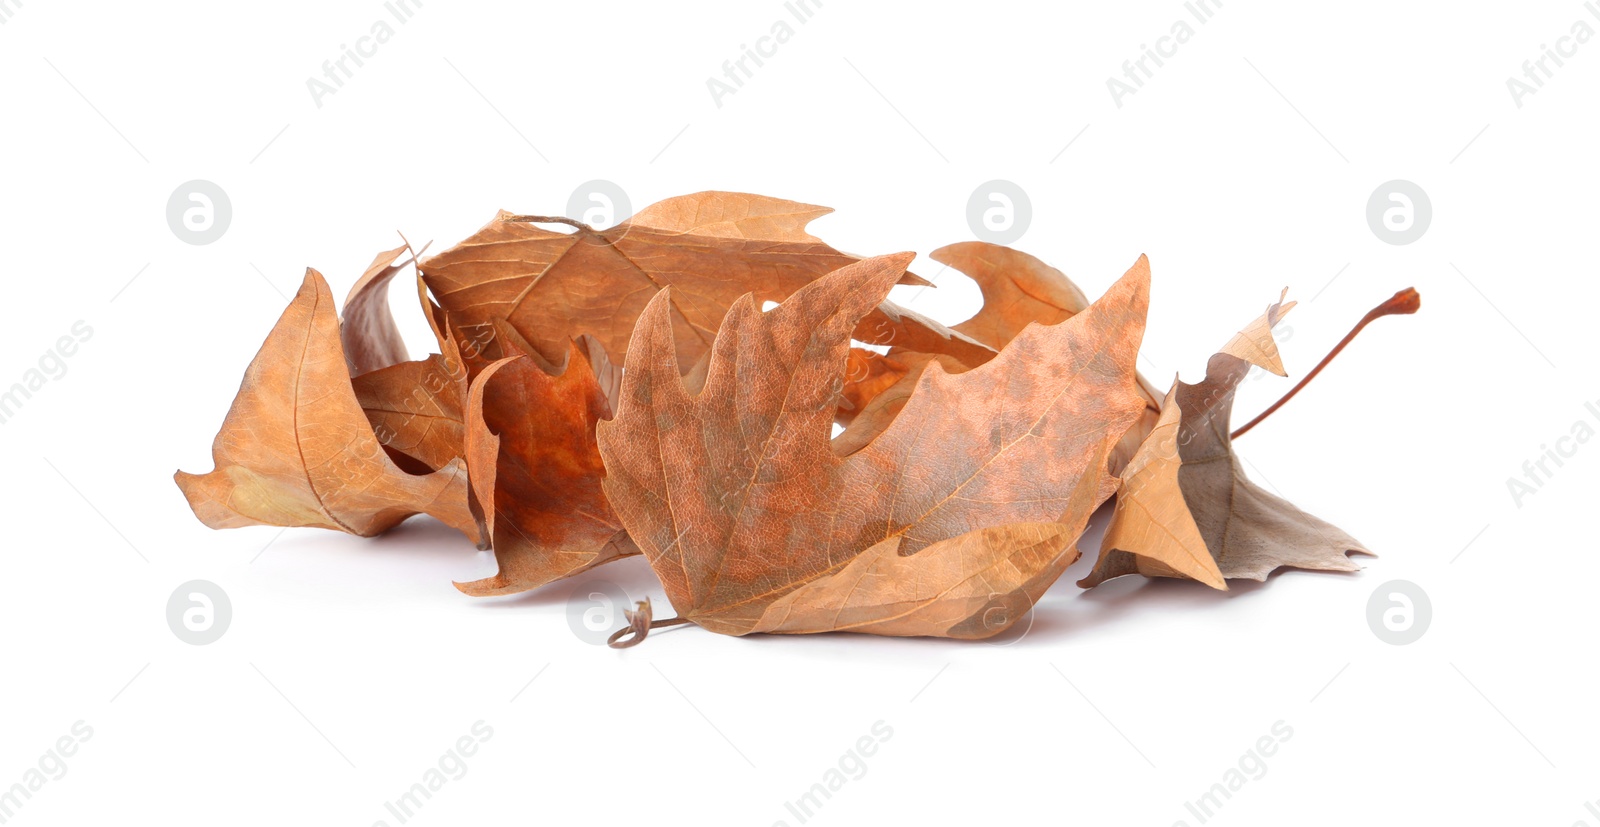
x=1243, y=165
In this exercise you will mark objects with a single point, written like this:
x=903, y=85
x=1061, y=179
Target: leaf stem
x=616, y=641
x=549, y=219
x=1405, y=302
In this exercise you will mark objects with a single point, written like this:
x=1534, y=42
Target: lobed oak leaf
x=296, y=448
x=1186, y=508
x=951, y=522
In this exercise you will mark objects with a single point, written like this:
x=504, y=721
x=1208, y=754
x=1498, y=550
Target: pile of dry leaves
x=603, y=393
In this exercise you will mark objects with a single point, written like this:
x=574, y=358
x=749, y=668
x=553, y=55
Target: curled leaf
x=416, y=410
x=371, y=339
x=537, y=471
x=297, y=450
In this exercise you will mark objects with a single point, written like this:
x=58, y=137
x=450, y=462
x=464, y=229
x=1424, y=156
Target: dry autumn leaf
x=952, y=522
x=1018, y=289
x=416, y=409
x=1187, y=509
x=371, y=339
x=711, y=248
x=535, y=467
x=878, y=406
x=296, y=448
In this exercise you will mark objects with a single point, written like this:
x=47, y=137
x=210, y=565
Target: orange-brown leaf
x=297, y=450
x=416, y=410
x=371, y=339
x=535, y=467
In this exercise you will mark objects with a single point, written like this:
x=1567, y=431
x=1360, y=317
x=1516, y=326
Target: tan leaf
x=1160, y=527
x=753, y=523
x=297, y=450
x=1017, y=289
x=531, y=445
x=1187, y=509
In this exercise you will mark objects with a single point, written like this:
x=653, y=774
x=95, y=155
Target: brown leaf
x=753, y=523
x=416, y=410
x=297, y=450
x=371, y=339
x=1018, y=289
x=531, y=445
x=710, y=247
x=1186, y=508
